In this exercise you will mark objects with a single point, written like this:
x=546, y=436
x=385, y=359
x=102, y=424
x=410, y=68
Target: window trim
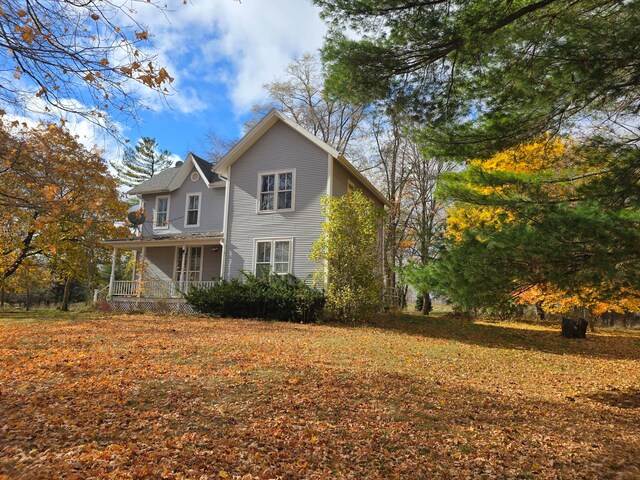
x=273, y=241
x=292, y=171
x=351, y=186
x=186, y=209
x=155, y=213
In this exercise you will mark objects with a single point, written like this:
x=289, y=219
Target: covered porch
x=165, y=266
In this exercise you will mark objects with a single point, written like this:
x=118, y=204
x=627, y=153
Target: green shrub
x=419, y=303
x=274, y=298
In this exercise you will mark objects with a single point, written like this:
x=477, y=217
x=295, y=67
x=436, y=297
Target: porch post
x=135, y=265
x=223, y=251
x=143, y=256
x=181, y=280
x=112, y=278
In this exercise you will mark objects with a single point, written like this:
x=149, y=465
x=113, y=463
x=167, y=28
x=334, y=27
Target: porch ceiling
x=167, y=240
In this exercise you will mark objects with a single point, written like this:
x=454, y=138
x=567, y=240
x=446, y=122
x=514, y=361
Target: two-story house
x=257, y=210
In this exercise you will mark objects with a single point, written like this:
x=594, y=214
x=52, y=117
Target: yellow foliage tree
x=555, y=157
x=57, y=200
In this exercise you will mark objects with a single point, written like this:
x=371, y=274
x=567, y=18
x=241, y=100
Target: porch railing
x=155, y=288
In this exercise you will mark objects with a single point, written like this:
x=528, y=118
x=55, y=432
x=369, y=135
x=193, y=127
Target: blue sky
x=220, y=53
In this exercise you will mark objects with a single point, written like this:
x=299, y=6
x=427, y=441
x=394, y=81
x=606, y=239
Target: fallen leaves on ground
x=196, y=398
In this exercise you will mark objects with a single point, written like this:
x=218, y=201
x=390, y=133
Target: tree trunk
x=540, y=311
x=65, y=295
x=426, y=303
x=574, y=328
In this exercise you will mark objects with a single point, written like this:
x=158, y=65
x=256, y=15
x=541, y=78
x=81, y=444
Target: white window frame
x=188, y=253
x=292, y=171
x=273, y=241
x=155, y=213
x=186, y=209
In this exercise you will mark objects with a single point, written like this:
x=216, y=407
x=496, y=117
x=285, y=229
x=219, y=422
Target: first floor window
x=193, y=210
x=162, y=212
x=273, y=256
x=263, y=259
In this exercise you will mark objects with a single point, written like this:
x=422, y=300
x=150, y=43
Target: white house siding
x=211, y=209
x=279, y=148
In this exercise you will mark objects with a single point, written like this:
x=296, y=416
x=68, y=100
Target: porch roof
x=167, y=240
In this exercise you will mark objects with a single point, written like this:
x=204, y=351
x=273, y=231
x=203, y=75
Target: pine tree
x=142, y=162
x=553, y=217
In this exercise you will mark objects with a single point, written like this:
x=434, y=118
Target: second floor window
x=162, y=212
x=192, y=215
x=276, y=191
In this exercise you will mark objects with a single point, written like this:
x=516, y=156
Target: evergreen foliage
x=273, y=298
x=486, y=77
x=519, y=224
x=142, y=162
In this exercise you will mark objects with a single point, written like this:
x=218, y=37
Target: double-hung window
x=273, y=256
x=192, y=213
x=162, y=212
x=276, y=191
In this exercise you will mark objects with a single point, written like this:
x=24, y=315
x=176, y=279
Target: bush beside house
x=275, y=297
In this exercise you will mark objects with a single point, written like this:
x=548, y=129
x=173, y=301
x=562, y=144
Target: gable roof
x=270, y=119
x=158, y=183
x=171, y=179
x=205, y=169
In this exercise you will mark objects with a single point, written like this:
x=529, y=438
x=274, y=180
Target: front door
x=189, y=269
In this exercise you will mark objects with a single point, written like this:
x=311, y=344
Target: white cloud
x=241, y=45
x=93, y=135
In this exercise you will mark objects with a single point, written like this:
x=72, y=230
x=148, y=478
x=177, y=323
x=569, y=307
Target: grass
x=405, y=397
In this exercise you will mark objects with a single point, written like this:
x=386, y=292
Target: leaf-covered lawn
x=180, y=397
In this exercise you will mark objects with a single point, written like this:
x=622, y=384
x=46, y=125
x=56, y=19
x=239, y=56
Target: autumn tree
x=301, y=96
x=349, y=250
x=481, y=77
x=76, y=56
x=142, y=162
x=426, y=218
x=408, y=179
x=57, y=200
x=390, y=159
x=543, y=222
